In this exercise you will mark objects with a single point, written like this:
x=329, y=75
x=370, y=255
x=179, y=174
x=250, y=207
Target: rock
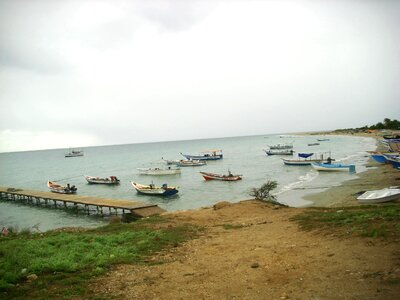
x=255, y=265
x=222, y=204
x=31, y=277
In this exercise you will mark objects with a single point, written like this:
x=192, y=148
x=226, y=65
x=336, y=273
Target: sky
x=85, y=73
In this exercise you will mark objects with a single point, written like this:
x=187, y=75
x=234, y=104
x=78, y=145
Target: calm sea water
x=242, y=155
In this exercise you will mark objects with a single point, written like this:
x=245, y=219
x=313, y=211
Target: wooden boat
x=306, y=159
x=378, y=196
x=229, y=177
x=205, y=155
x=154, y=190
x=57, y=188
x=159, y=171
x=279, y=152
x=74, y=153
x=98, y=180
x=281, y=146
x=334, y=167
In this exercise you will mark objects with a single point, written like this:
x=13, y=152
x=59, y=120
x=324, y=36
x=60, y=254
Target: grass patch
x=369, y=221
x=232, y=226
x=65, y=260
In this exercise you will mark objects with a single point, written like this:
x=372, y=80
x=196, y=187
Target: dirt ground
x=252, y=250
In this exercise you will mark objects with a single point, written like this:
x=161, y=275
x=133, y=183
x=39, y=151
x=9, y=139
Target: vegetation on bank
x=386, y=124
x=368, y=221
x=57, y=264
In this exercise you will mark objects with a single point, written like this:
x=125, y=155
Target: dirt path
x=260, y=254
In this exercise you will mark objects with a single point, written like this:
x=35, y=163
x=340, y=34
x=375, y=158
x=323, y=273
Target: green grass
x=370, y=221
x=64, y=261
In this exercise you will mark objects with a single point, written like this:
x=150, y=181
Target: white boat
x=159, y=171
x=281, y=146
x=205, y=155
x=190, y=163
x=98, y=180
x=306, y=159
x=334, y=167
x=279, y=152
x=74, y=153
x=57, y=188
x=378, y=196
x=154, y=190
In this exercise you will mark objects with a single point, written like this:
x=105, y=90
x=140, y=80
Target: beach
x=254, y=250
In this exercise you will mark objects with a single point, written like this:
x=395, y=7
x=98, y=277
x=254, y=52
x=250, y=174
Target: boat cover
x=305, y=155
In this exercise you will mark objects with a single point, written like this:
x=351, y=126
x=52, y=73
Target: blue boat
x=394, y=161
x=205, y=155
x=382, y=157
x=305, y=159
x=334, y=167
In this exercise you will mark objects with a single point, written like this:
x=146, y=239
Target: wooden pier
x=87, y=203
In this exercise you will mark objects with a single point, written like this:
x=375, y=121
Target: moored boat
x=57, y=188
x=205, y=155
x=378, y=196
x=334, y=167
x=279, y=152
x=313, y=144
x=223, y=177
x=154, y=190
x=281, y=146
x=98, y=180
x=190, y=163
x=394, y=161
x=305, y=159
x=74, y=153
x=159, y=171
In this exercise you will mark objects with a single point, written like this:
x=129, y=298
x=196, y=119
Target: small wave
x=308, y=177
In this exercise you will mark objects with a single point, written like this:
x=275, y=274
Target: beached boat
x=306, y=159
x=223, y=177
x=205, y=155
x=334, y=167
x=98, y=180
x=279, y=152
x=378, y=196
x=57, y=188
x=394, y=161
x=159, y=171
x=74, y=153
x=154, y=190
x=381, y=157
x=281, y=146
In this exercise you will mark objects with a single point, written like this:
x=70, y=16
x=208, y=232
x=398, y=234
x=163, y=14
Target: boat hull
x=212, y=176
x=153, y=190
x=300, y=162
x=334, y=167
x=158, y=172
x=203, y=157
x=97, y=180
x=278, y=152
x=379, y=196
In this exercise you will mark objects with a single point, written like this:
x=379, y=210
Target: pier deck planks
x=136, y=207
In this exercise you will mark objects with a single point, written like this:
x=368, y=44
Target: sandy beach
x=254, y=250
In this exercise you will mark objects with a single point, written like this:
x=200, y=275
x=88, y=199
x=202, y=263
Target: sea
x=242, y=155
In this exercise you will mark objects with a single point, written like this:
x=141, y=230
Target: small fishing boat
x=229, y=177
x=381, y=157
x=190, y=163
x=281, y=146
x=154, y=190
x=159, y=171
x=57, y=188
x=378, y=196
x=313, y=144
x=322, y=140
x=279, y=152
x=334, y=167
x=305, y=159
x=98, y=180
x=74, y=153
x=205, y=155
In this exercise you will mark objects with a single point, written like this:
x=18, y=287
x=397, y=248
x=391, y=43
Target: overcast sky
x=82, y=73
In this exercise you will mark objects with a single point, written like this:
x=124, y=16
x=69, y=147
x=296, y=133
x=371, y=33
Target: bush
x=264, y=192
